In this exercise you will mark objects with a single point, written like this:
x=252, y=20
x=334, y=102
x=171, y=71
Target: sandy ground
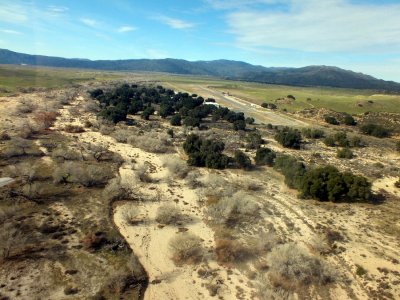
x=364, y=242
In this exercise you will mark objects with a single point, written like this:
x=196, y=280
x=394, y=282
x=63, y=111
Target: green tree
x=176, y=120
x=265, y=156
x=242, y=160
x=289, y=138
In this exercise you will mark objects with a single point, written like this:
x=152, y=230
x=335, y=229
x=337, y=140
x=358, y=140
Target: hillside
x=236, y=70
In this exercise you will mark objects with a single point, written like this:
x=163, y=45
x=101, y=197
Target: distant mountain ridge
x=236, y=70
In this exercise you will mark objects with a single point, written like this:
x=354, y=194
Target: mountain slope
x=236, y=70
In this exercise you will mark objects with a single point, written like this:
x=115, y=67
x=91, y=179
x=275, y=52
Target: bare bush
x=73, y=128
x=12, y=241
x=186, y=248
x=151, y=142
x=19, y=147
x=231, y=251
x=121, y=135
x=38, y=171
x=102, y=153
x=249, y=184
x=27, y=130
x=234, y=210
x=41, y=190
x=169, y=214
x=4, y=136
x=176, y=166
x=87, y=175
x=192, y=180
x=63, y=153
x=45, y=119
x=106, y=129
x=117, y=189
x=131, y=216
x=292, y=265
x=92, y=106
x=25, y=107
x=143, y=172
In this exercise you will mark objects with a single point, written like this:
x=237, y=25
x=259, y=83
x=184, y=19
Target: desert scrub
x=20, y=147
x=231, y=251
x=151, y=142
x=169, y=214
x=25, y=107
x=292, y=265
x=121, y=135
x=176, y=166
x=73, y=128
x=63, y=153
x=186, y=248
x=85, y=174
x=131, y=215
x=344, y=153
x=235, y=210
x=118, y=189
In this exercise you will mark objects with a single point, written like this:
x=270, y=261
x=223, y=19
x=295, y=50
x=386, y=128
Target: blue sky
x=361, y=35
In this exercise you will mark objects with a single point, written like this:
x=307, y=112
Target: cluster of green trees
x=183, y=108
x=205, y=153
x=325, y=183
x=289, y=137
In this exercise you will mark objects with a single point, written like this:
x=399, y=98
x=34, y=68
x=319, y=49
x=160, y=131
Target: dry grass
x=45, y=119
x=186, y=249
x=63, y=153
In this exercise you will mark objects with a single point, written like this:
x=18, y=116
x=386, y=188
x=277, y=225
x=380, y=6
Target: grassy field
x=346, y=100
x=13, y=78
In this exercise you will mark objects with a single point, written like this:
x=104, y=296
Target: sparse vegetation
x=265, y=156
x=186, y=248
x=375, y=130
x=345, y=153
x=169, y=214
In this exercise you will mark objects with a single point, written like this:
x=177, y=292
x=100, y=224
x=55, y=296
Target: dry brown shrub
x=45, y=119
x=42, y=190
x=186, y=249
x=169, y=214
x=292, y=266
x=176, y=166
x=4, y=136
x=12, y=241
x=19, y=147
x=63, y=153
x=151, y=142
x=235, y=210
x=87, y=175
x=92, y=106
x=131, y=216
x=117, y=189
x=73, y=128
x=231, y=251
x=25, y=107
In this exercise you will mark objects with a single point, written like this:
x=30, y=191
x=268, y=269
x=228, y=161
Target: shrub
x=313, y=133
x=341, y=139
x=186, y=248
x=151, y=142
x=12, y=241
x=289, y=138
x=231, y=251
x=117, y=189
x=345, y=153
x=176, y=166
x=294, y=265
x=235, y=210
x=19, y=147
x=239, y=125
x=292, y=169
x=356, y=142
x=254, y=140
x=4, y=136
x=131, y=216
x=375, y=130
x=147, y=113
x=121, y=135
x=206, y=153
x=73, y=128
x=349, y=120
x=114, y=114
x=169, y=214
x=242, y=160
x=191, y=121
x=398, y=146
x=331, y=120
x=250, y=120
x=330, y=141
x=265, y=156
x=176, y=120
x=87, y=175
x=45, y=119
x=25, y=107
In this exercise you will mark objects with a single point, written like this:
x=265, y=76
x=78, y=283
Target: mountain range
x=236, y=70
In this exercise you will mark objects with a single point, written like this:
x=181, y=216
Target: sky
x=358, y=35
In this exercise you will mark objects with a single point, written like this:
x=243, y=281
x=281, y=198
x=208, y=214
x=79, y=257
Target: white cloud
x=123, y=29
x=239, y=4
x=320, y=26
x=57, y=9
x=90, y=22
x=13, y=13
x=10, y=31
x=175, y=23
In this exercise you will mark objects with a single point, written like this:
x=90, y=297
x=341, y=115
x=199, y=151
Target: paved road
x=260, y=114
